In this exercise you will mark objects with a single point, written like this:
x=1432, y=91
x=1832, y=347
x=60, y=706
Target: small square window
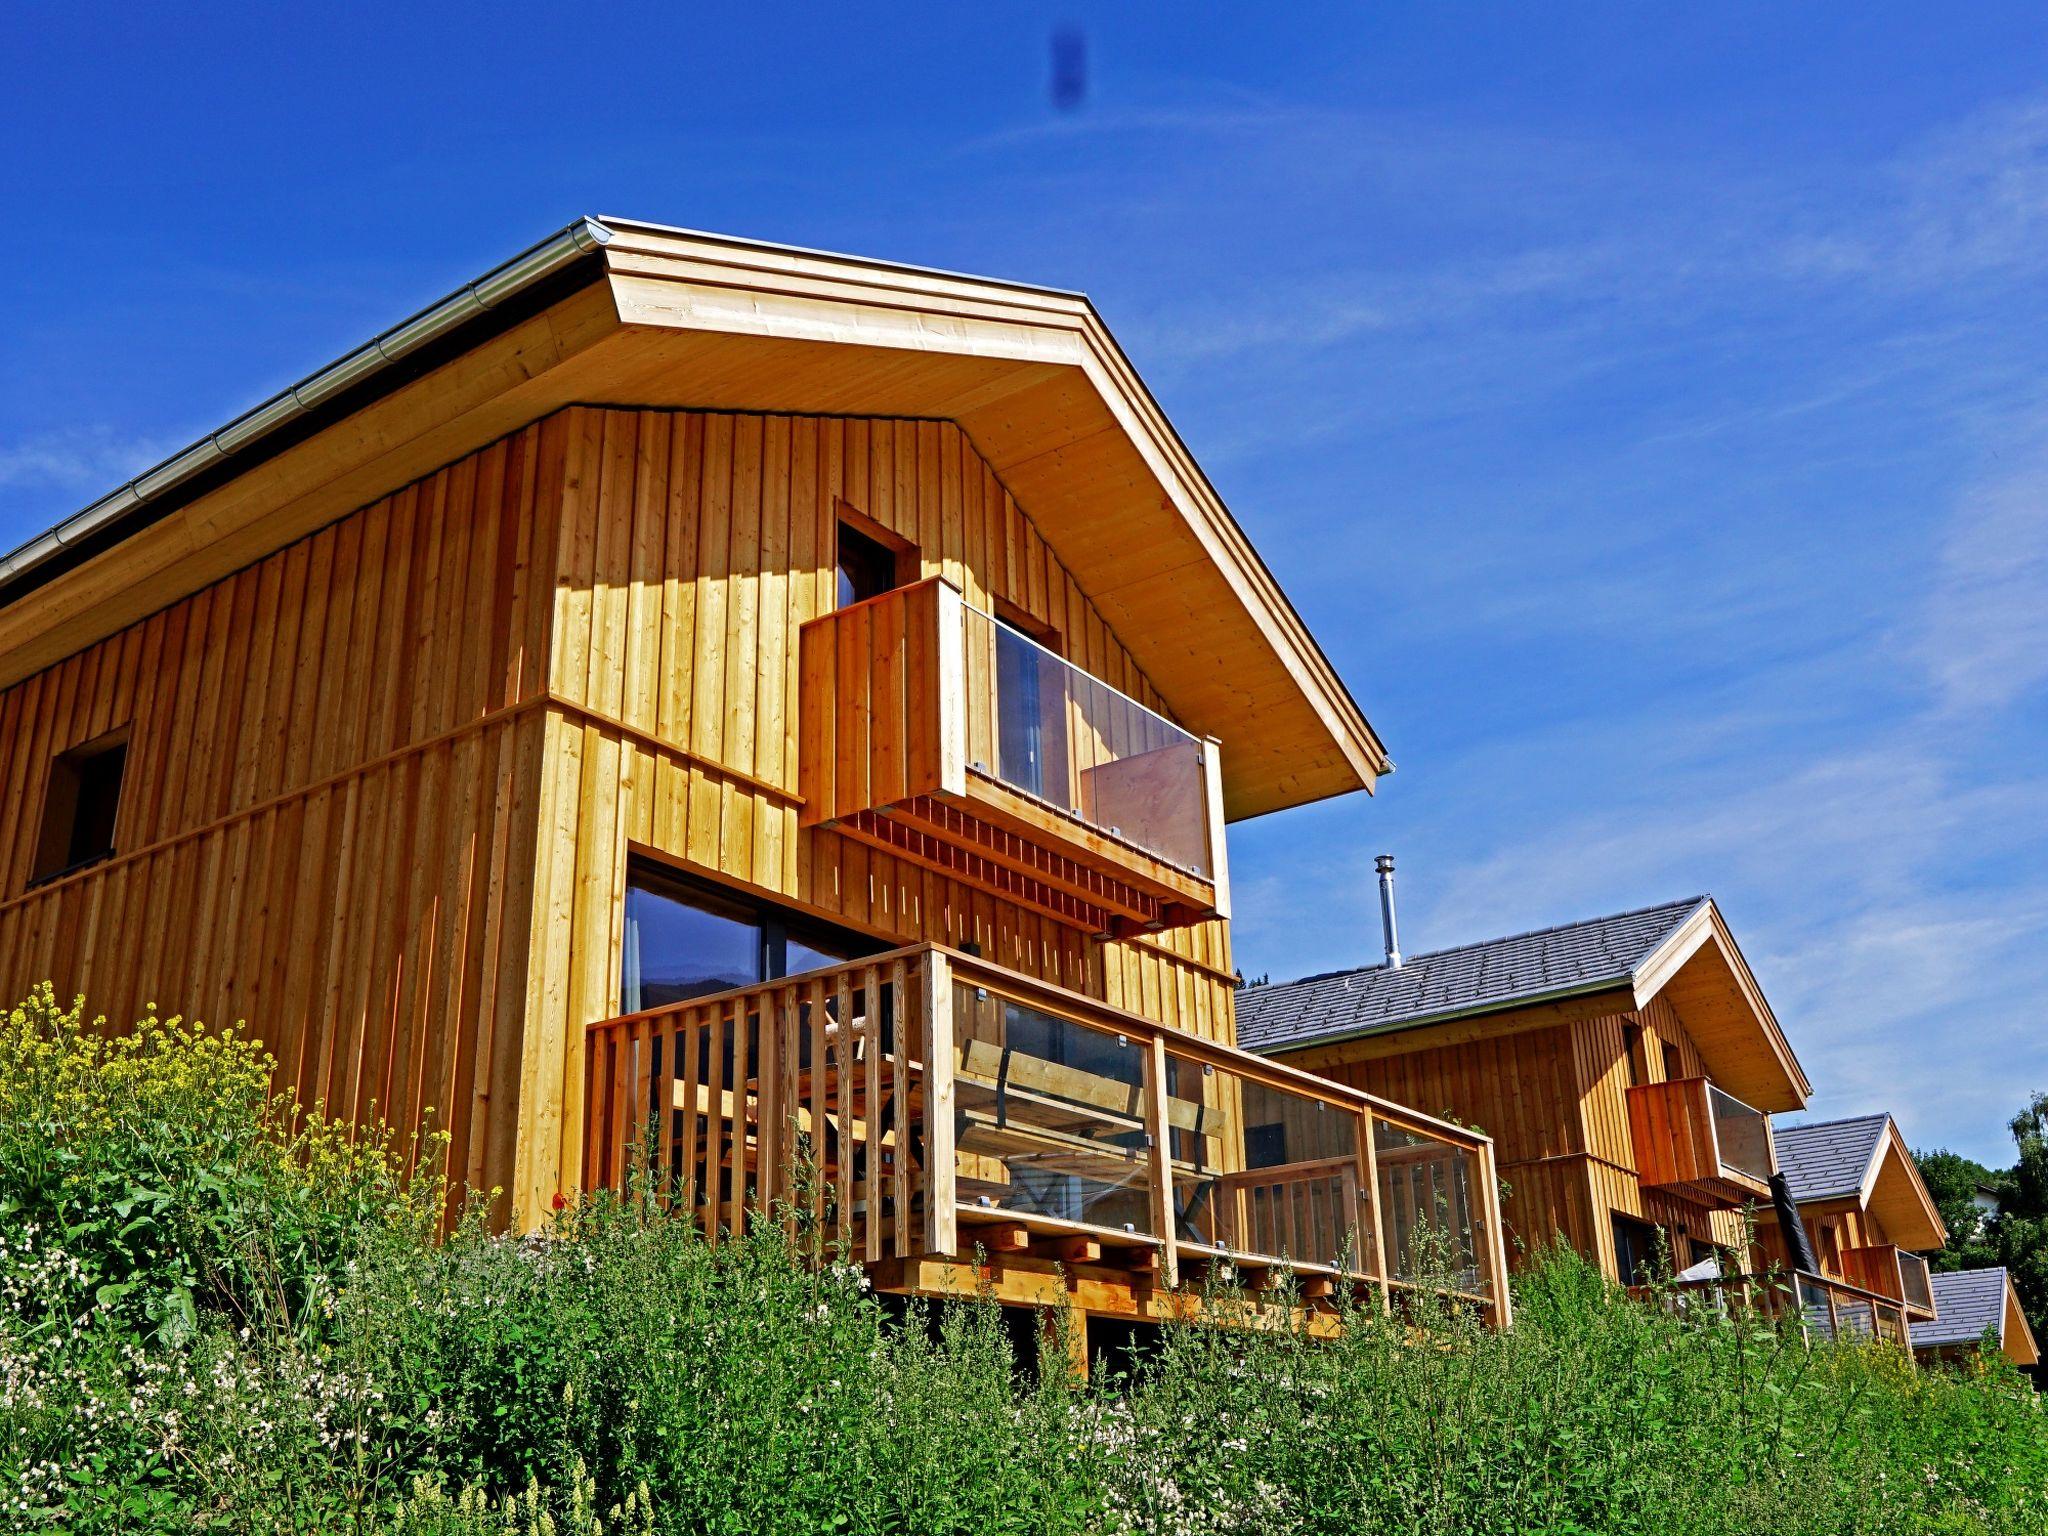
x=81, y=806
x=867, y=568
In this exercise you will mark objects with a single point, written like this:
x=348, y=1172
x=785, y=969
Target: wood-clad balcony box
x=1626, y=1068
x=493, y=716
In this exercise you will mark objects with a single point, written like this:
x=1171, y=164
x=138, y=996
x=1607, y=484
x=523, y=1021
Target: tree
x=2020, y=1229
x=1954, y=1181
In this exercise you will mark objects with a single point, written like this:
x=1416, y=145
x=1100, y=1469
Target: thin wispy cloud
x=1782, y=617
x=81, y=459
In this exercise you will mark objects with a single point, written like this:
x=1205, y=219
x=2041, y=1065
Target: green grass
x=225, y=1315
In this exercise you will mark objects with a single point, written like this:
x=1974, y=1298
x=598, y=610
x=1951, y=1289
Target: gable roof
x=1967, y=1302
x=1830, y=1159
x=621, y=312
x=1681, y=948
x=1521, y=968
x=1864, y=1159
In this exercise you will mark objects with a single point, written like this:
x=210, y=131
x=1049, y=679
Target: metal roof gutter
x=472, y=299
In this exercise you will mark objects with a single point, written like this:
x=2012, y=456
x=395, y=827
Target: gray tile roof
x=1966, y=1302
x=1829, y=1159
x=1474, y=978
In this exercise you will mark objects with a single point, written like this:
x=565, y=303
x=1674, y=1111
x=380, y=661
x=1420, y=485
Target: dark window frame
x=886, y=560
x=1643, y=1271
x=776, y=925
x=81, y=816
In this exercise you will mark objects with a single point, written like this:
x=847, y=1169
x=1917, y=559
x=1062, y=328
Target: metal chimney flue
x=1385, y=865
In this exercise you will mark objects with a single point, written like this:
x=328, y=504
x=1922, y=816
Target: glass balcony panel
x=1261, y=1172
x=1742, y=1134
x=1913, y=1282
x=1049, y=1115
x=1049, y=730
x=1430, y=1204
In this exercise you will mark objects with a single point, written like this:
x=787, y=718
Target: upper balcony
x=1701, y=1143
x=950, y=738
x=1891, y=1271
x=922, y=1105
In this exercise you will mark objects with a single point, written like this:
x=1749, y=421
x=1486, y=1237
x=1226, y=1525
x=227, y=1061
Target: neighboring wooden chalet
x=1973, y=1305
x=779, y=707
x=1867, y=1217
x=1626, y=1068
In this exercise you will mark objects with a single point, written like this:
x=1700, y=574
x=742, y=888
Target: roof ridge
x=1688, y=903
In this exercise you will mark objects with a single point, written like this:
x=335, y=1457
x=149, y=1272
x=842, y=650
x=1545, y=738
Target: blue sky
x=1648, y=411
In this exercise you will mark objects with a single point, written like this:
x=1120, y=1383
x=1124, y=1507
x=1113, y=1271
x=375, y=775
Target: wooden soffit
x=1699, y=970
x=1896, y=1195
x=677, y=319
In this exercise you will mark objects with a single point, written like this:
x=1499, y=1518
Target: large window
x=685, y=938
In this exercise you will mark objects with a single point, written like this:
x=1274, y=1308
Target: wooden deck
x=924, y=1110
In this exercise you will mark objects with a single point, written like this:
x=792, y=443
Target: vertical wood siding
x=692, y=546
x=381, y=785
x=326, y=822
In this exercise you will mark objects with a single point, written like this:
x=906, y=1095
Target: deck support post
x=1496, y=1239
x=1159, y=1132
x=1369, y=1171
x=942, y=1201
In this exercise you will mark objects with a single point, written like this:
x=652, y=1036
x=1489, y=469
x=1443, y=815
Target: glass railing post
x=1218, y=845
x=942, y=1203
x=1159, y=1133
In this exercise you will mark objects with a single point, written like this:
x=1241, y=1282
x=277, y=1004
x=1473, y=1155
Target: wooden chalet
x=1626, y=1068
x=706, y=708
x=1867, y=1218
x=1975, y=1307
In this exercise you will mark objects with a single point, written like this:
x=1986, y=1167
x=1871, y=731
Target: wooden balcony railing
x=1886, y=1269
x=1695, y=1140
x=1825, y=1307
x=925, y=1103
x=954, y=740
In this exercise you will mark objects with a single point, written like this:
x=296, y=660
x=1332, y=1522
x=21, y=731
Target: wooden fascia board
x=1705, y=927
x=1464, y=1029
x=2017, y=1330
x=666, y=279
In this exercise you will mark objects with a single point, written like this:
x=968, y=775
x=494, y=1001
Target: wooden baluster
x=715, y=1123
x=871, y=1172
x=596, y=1074
x=643, y=1097
x=788, y=1038
x=899, y=1181
x=662, y=1091
x=689, y=1038
x=620, y=1114
x=932, y=981
x=849, y=1143
x=766, y=1077
x=824, y=1130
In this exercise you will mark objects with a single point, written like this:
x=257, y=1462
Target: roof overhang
x=669, y=318
x=1899, y=1198
x=1700, y=972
